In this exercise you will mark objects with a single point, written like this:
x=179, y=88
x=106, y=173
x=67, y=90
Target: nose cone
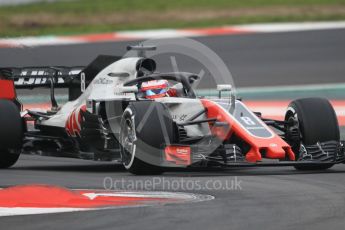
x=275, y=152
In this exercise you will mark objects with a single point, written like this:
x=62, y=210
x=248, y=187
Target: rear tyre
x=317, y=123
x=146, y=127
x=11, y=133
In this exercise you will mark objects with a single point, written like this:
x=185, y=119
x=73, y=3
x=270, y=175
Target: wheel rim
x=128, y=138
x=297, y=146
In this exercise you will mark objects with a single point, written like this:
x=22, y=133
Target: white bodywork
x=181, y=109
x=108, y=86
x=102, y=88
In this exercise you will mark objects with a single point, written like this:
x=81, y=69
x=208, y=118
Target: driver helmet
x=155, y=88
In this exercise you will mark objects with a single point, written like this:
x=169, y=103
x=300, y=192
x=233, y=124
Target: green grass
x=91, y=6
x=87, y=16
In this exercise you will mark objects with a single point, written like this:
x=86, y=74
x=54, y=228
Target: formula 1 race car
x=121, y=109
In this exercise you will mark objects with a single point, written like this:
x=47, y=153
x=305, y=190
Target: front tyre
x=317, y=122
x=145, y=128
x=11, y=133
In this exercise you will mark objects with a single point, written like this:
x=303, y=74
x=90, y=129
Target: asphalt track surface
x=267, y=198
x=254, y=60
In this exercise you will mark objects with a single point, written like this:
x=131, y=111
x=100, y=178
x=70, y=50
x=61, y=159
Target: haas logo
x=73, y=123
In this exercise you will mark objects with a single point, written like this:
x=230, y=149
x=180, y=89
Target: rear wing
x=74, y=78
x=33, y=77
x=60, y=76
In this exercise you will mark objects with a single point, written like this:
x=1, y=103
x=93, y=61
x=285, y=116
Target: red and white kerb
x=43, y=199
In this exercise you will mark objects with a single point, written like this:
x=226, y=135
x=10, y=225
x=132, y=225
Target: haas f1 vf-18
x=122, y=109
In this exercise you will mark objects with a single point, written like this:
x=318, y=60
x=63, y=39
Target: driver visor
x=152, y=92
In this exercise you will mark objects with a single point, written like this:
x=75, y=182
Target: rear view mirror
x=225, y=87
